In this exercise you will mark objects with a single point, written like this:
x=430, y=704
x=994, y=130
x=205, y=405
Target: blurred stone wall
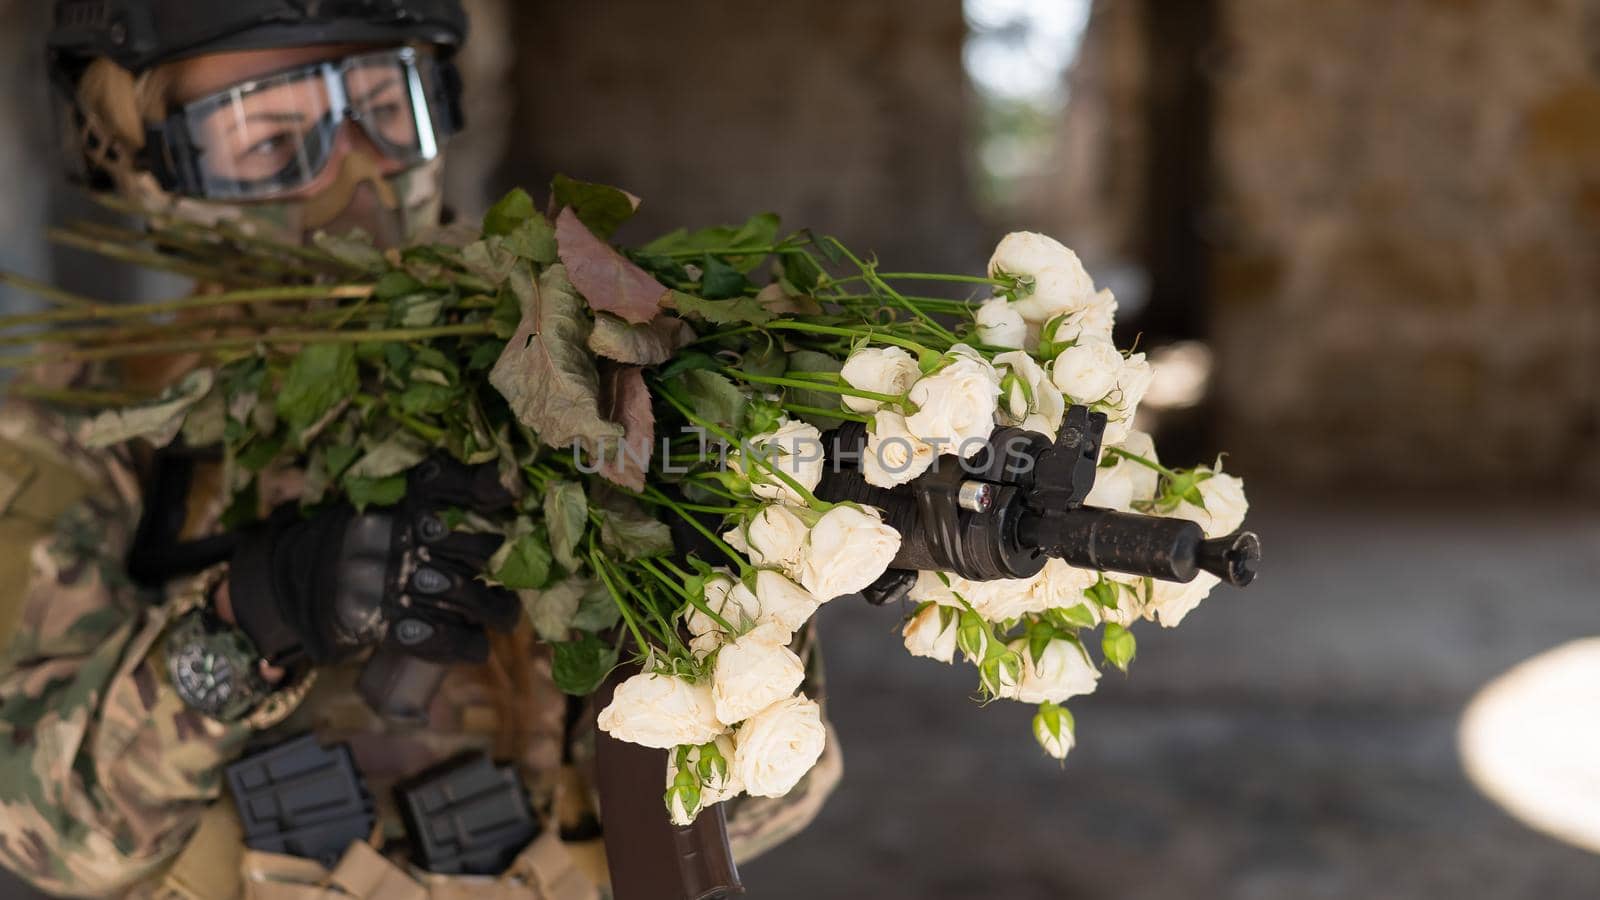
x=848, y=118
x=1407, y=219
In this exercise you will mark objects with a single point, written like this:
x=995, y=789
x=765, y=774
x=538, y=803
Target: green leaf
x=523, y=562
x=758, y=231
x=552, y=610
x=566, y=514
x=422, y=398
x=738, y=311
x=810, y=361
x=801, y=270
x=534, y=240
x=340, y=457
x=319, y=378
x=364, y=492
x=1102, y=592
x=484, y=355
x=489, y=259
x=260, y=452
x=720, y=281
x=639, y=345
x=511, y=211
x=159, y=421
x=1071, y=617
x=599, y=206
x=715, y=398
x=355, y=249
x=1118, y=645
x=597, y=611
x=392, y=456
x=633, y=535
x=546, y=373
x=418, y=310
x=579, y=666
x=395, y=284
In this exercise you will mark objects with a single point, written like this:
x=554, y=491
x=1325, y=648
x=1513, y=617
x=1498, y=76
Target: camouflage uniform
x=105, y=774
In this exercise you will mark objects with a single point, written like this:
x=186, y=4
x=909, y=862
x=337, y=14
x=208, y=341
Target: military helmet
x=139, y=34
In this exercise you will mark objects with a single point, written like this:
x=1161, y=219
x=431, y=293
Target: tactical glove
x=324, y=587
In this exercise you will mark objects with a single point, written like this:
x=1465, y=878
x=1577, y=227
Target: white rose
x=753, y=672
x=712, y=771
x=1022, y=253
x=1130, y=598
x=956, y=405
x=881, y=370
x=1170, y=601
x=727, y=598
x=703, y=645
x=999, y=325
x=1133, y=382
x=1061, y=586
x=1225, y=505
x=1028, y=398
x=893, y=455
x=1003, y=598
x=794, y=448
x=932, y=586
x=718, y=778
x=1053, y=729
x=1144, y=479
x=776, y=747
x=661, y=711
x=1091, y=319
x=1059, y=282
x=773, y=538
x=1062, y=670
x=932, y=633
x=1088, y=371
x=783, y=603
x=847, y=550
x=1060, y=290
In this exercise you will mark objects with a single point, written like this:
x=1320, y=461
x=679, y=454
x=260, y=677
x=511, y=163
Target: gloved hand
x=324, y=587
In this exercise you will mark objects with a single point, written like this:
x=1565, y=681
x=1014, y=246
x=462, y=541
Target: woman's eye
x=271, y=146
x=385, y=112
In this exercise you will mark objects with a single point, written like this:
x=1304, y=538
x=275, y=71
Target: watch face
x=205, y=679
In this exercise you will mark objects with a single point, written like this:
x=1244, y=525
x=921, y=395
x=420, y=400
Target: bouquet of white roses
x=689, y=380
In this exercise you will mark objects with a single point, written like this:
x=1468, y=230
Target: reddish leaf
x=627, y=402
x=605, y=277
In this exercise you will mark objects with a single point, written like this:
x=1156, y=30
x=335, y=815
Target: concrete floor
x=1295, y=740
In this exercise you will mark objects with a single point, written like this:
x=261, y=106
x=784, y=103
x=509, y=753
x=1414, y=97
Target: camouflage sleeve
x=103, y=771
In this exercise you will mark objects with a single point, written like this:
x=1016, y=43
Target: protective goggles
x=276, y=134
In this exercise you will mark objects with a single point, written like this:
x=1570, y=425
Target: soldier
x=147, y=647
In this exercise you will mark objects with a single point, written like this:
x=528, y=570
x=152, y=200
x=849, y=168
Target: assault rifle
x=1001, y=514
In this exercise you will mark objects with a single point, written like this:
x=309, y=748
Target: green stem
x=291, y=293
x=807, y=384
x=47, y=291
x=666, y=628
x=694, y=601
x=758, y=459
x=145, y=258
x=375, y=336
x=870, y=334
x=595, y=560
x=1147, y=463
x=845, y=414
x=71, y=397
x=657, y=496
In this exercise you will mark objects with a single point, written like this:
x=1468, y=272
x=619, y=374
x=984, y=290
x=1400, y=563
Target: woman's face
x=265, y=131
